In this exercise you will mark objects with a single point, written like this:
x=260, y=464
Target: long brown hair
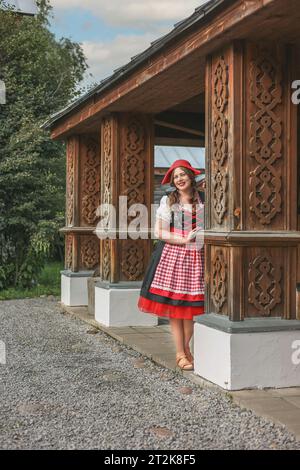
x=173, y=198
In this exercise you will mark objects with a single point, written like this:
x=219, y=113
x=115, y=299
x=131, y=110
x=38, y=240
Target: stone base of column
x=74, y=288
x=255, y=353
x=116, y=305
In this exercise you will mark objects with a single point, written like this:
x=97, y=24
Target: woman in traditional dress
x=173, y=285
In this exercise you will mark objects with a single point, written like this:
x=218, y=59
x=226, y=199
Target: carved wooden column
x=248, y=336
x=109, y=155
x=82, y=201
x=71, y=203
x=89, y=200
x=251, y=215
x=126, y=170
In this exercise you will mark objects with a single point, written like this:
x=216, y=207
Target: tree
x=41, y=76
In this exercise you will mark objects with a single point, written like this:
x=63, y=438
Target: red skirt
x=170, y=311
x=174, y=282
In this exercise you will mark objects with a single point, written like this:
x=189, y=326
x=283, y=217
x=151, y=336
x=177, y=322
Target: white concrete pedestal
x=116, y=305
x=74, y=289
x=256, y=353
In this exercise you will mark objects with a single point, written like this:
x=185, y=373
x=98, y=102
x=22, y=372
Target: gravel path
x=64, y=387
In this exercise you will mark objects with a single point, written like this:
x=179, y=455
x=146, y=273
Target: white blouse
x=163, y=211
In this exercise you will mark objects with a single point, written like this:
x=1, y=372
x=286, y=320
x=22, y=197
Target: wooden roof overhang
x=173, y=77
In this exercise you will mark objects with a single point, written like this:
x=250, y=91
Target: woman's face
x=181, y=180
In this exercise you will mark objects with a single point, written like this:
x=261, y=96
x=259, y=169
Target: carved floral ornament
x=133, y=162
x=69, y=251
x=220, y=129
x=91, y=183
x=135, y=137
x=106, y=259
x=266, y=135
x=89, y=252
x=264, y=290
x=107, y=161
x=221, y=89
x=70, y=182
x=132, y=263
x=219, y=280
x=107, y=135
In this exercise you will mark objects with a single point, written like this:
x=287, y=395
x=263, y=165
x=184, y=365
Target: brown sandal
x=189, y=356
x=183, y=363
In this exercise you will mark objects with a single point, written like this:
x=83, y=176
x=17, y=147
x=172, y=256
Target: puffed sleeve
x=164, y=212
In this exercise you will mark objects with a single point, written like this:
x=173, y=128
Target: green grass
x=48, y=284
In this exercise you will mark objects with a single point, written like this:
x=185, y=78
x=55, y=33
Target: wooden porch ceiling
x=174, y=80
x=183, y=95
x=184, y=126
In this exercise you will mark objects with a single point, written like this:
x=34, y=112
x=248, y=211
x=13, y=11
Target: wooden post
x=71, y=203
x=251, y=213
x=127, y=170
x=82, y=201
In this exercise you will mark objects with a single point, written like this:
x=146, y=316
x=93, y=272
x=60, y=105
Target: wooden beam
x=179, y=128
x=171, y=141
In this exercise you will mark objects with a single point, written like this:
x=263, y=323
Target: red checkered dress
x=174, y=282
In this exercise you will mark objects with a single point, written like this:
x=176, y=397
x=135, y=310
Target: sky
x=113, y=31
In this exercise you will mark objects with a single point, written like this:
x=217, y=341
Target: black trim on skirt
x=148, y=278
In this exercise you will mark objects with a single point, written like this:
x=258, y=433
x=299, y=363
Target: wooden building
x=21, y=7
x=222, y=78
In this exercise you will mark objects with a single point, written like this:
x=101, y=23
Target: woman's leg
x=188, y=330
x=178, y=334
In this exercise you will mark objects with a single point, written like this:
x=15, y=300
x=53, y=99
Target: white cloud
x=135, y=13
x=153, y=18
x=104, y=57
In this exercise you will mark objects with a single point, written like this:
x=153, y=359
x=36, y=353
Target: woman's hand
x=202, y=185
x=191, y=235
